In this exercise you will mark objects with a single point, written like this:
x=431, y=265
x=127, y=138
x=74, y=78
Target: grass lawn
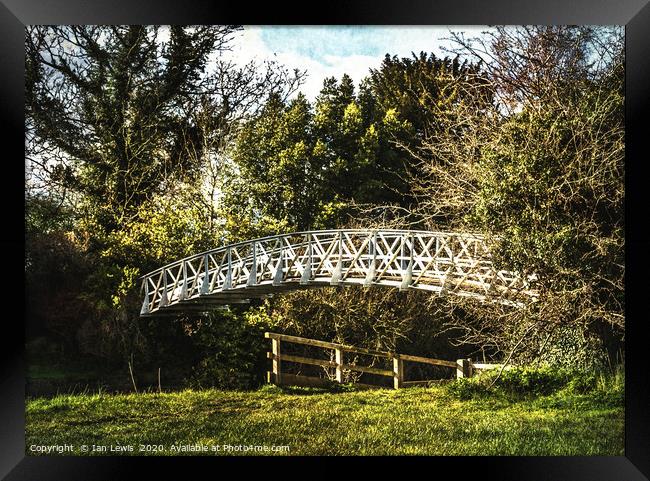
x=424, y=421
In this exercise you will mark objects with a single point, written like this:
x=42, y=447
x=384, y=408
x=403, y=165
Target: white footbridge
x=442, y=262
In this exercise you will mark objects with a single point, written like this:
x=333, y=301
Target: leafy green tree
x=127, y=130
x=114, y=103
x=423, y=87
x=320, y=165
x=117, y=115
x=356, y=141
x=542, y=173
x=333, y=164
x=423, y=92
x=278, y=168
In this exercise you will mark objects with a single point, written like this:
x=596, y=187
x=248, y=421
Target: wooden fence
x=463, y=367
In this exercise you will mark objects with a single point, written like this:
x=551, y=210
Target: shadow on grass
x=310, y=391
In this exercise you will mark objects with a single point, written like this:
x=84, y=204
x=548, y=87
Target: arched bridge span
x=443, y=262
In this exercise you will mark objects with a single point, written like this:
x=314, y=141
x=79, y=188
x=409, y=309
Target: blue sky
x=318, y=42
x=333, y=50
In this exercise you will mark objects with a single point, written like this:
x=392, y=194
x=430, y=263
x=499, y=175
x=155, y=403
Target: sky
x=326, y=51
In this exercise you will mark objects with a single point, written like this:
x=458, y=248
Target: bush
x=232, y=351
x=467, y=388
x=582, y=384
x=604, y=386
x=512, y=383
x=571, y=347
x=535, y=381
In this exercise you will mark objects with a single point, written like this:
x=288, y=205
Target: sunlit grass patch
x=426, y=421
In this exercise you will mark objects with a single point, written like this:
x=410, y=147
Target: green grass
x=424, y=421
x=58, y=373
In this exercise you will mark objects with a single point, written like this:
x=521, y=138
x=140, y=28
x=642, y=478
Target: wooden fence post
x=277, y=378
x=338, y=355
x=463, y=368
x=398, y=372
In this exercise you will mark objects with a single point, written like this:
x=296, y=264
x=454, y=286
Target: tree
x=277, y=168
x=303, y=166
x=115, y=107
x=541, y=172
x=101, y=97
x=422, y=92
x=420, y=86
x=127, y=130
x=335, y=164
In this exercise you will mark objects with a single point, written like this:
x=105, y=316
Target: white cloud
x=249, y=45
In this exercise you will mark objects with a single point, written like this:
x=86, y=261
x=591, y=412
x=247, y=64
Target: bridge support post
x=372, y=246
x=338, y=270
x=183, y=294
x=252, y=277
x=398, y=372
x=227, y=284
x=163, y=296
x=279, y=273
x=306, y=274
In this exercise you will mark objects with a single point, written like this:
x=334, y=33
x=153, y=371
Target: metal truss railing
x=446, y=263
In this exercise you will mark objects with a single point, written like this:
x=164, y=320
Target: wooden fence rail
x=464, y=367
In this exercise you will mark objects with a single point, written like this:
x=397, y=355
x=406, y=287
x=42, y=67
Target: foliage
x=117, y=113
x=127, y=128
x=304, y=166
x=54, y=263
x=606, y=386
x=541, y=172
x=423, y=90
x=114, y=101
x=514, y=382
x=163, y=230
x=232, y=351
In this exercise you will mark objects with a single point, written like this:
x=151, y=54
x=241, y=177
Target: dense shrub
x=530, y=382
x=232, y=351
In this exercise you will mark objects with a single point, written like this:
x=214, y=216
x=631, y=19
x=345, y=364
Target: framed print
x=407, y=232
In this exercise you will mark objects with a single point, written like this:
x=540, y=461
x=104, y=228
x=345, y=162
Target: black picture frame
x=634, y=14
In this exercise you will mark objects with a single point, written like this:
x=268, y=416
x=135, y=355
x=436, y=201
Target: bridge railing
x=436, y=261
